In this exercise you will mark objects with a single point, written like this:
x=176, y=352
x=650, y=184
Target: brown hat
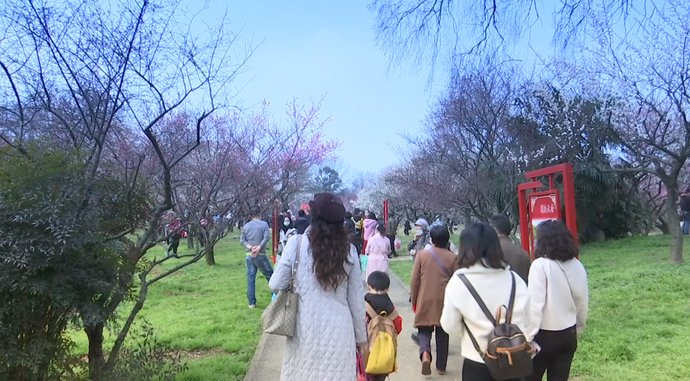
x=327, y=207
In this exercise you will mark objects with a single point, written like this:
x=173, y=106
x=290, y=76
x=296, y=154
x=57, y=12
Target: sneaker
x=252, y=305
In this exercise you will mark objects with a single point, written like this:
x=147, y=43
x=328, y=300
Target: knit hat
x=422, y=222
x=327, y=207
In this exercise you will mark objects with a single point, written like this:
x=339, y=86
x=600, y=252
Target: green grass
x=639, y=312
x=201, y=311
x=402, y=268
x=638, y=327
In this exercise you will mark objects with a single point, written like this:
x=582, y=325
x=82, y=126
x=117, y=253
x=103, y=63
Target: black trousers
x=477, y=371
x=441, y=344
x=556, y=355
x=391, y=238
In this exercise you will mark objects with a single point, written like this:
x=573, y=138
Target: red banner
x=543, y=206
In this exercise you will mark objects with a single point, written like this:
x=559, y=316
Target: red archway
x=538, y=201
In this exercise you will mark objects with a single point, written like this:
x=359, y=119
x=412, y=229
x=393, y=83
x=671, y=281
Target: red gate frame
x=535, y=184
x=385, y=215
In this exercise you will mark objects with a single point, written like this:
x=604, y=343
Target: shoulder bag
x=280, y=317
x=443, y=268
x=567, y=280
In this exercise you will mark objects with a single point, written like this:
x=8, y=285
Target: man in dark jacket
x=391, y=232
x=350, y=229
x=685, y=210
x=514, y=255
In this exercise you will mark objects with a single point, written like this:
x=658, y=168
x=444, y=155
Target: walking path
x=267, y=360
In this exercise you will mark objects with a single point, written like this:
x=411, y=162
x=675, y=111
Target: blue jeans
x=686, y=223
x=253, y=263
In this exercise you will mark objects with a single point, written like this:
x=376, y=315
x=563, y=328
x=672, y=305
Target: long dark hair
x=554, y=241
x=479, y=243
x=330, y=249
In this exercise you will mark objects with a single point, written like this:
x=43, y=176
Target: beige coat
x=428, y=285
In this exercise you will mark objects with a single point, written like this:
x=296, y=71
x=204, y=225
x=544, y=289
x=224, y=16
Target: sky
x=313, y=50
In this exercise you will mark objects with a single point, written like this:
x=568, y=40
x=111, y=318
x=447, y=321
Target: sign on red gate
x=543, y=206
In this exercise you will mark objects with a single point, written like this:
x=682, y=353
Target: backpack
x=383, y=343
x=508, y=354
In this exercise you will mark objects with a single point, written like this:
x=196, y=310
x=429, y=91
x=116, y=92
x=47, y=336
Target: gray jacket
x=255, y=233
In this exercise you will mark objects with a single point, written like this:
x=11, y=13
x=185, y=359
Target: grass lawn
x=639, y=324
x=201, y=311
x=638, y=327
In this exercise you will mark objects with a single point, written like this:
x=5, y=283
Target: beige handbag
x=280, y=317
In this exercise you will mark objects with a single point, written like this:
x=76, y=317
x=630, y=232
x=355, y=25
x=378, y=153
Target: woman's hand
x=535, y=349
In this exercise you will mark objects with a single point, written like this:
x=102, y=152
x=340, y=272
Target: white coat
x=493, y=286
x=329, y=323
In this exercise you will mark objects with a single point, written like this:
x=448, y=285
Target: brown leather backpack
x=508, y=354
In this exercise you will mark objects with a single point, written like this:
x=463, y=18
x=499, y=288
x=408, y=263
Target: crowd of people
x=454, y=291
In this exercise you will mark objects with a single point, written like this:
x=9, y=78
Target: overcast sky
x=311, y=49
x=322, y=49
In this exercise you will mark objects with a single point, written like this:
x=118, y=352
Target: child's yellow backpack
x=383, y=342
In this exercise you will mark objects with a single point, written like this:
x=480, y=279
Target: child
x=377, y=299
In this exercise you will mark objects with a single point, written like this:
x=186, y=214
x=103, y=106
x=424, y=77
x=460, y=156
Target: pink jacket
x=369, y=228
x=379, y=244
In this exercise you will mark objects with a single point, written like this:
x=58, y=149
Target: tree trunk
x=114, y=354
x=190, y=240
x=676, y=255
x=96, y=360
x=210, y=256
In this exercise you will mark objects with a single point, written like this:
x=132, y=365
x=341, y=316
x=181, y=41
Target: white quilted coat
x=329, y=323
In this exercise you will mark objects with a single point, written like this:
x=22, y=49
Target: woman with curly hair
x=328, y=281
x=558, y=300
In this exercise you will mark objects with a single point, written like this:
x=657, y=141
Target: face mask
x=418, y=231
x=286, y=222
